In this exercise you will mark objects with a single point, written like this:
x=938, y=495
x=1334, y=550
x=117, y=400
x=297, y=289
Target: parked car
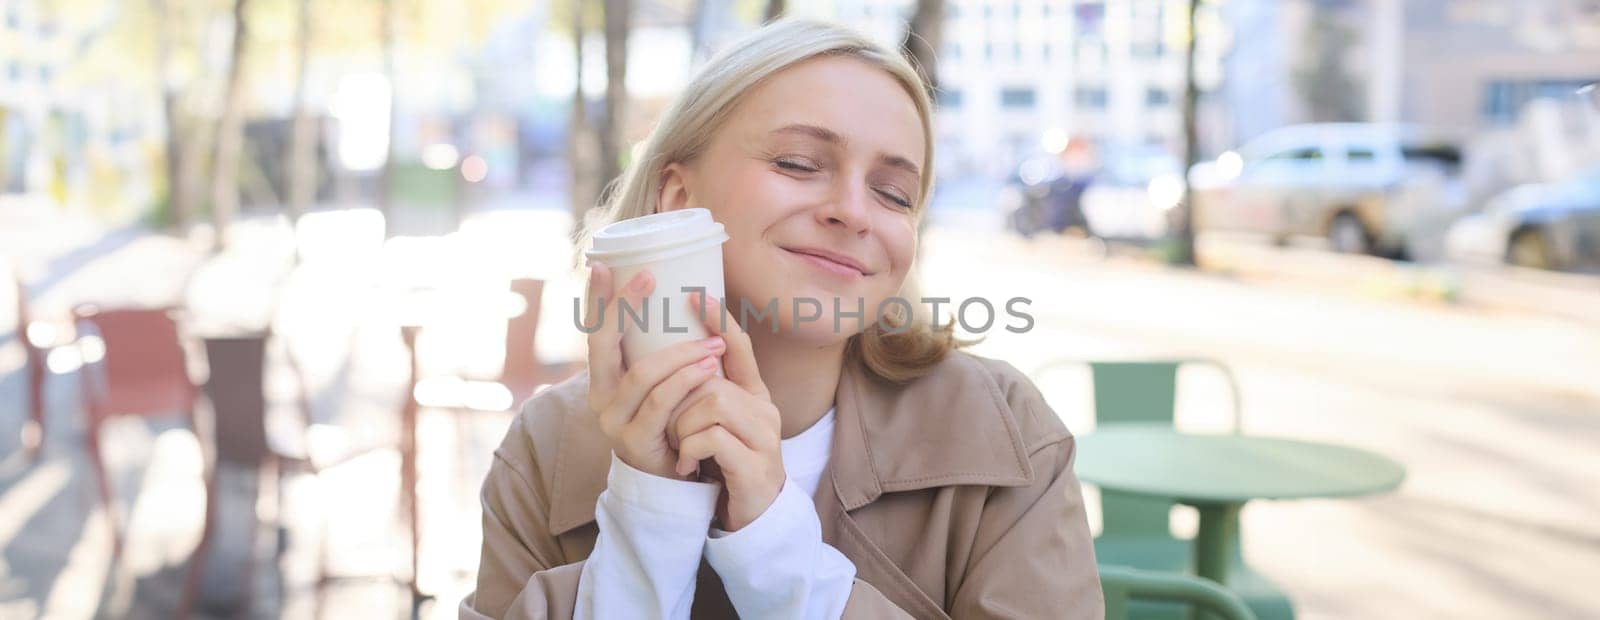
x=1366, y=188
x=1128, y=195
x=1133, y=194
x=1545, y=226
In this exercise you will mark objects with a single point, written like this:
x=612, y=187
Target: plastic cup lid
x=657, y=235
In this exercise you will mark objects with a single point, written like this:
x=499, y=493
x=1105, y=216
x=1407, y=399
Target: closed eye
x=895, y=198
x=794, y=165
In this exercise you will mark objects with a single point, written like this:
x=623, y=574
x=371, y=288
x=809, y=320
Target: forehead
x=856, y=100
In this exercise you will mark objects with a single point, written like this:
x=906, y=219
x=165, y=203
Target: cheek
x=750, y=269
x=748, y=199
x=899, y=238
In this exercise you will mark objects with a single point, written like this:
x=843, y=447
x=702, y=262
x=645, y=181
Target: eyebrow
x=828, y=135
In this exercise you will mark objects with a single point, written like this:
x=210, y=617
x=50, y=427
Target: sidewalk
x=57, y=543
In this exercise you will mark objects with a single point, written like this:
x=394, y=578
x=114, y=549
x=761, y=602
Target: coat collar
x=952, y=426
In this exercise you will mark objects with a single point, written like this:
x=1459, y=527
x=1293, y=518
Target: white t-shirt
x=805, y=456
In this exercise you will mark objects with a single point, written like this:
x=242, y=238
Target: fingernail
x=708, y=363
x=716, y=343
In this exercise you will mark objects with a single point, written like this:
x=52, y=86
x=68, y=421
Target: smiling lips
x=831, y=262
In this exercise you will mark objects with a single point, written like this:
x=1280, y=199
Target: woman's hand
x=635, y=404
x=733, y=422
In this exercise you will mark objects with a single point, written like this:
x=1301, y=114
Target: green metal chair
x=1123, y=585
x=1135, y=530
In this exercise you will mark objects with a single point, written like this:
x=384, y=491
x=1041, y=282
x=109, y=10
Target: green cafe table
x=1218, y=474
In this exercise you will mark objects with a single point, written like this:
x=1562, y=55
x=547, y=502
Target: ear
x=675, y=192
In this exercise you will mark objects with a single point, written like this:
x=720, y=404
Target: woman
x=870, y=473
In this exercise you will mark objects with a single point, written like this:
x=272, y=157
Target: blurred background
x=275, y=273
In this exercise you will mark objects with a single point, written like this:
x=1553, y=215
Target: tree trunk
x=195, y=137
x=710, y=26
x=180, y=208
x=775, y=9
x=699, y=23
x=617, y=15
x=230, y=138
x=1184, y=253
x=301, y=164
x=921, y=43
x=386, y=173
x=577, y=128
x=920, y=46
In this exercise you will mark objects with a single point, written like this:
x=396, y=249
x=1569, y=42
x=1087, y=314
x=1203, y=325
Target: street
x=1494, y=413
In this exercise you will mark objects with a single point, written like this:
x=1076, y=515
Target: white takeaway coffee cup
x=683, y=250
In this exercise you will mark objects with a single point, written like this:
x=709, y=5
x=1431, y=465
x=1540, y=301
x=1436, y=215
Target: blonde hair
x=905, y=351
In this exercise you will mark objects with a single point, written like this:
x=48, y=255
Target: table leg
x=1219, y=525
x=33, y=429
x=408, y=467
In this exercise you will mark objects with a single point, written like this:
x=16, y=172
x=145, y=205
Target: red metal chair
x=144, y=373
x=236, y=390
x=237, y=394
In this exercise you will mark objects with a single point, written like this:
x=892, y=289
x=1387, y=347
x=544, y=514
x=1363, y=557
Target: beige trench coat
x=953, y=495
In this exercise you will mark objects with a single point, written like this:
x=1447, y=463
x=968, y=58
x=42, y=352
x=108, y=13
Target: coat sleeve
x=1033, y=556
x=520, y=570
x=1037, y=558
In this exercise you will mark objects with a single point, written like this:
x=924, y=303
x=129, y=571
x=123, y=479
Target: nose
x=849, y=209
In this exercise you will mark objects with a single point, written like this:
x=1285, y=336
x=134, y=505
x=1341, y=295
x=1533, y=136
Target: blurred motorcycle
x=1043, y=196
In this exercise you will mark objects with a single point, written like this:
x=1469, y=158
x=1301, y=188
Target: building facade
x=70, y=133
x=1018, y=77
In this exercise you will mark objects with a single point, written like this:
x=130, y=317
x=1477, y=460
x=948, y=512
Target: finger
x=633, y=295
x=605, y=351
x=651, y=370
x=691, y=400
x=739, y=364
x=713, y=443
x=714, y=410
x=660, y=402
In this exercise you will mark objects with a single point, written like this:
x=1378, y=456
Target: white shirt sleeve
x=647, y=554
x=779, y=567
